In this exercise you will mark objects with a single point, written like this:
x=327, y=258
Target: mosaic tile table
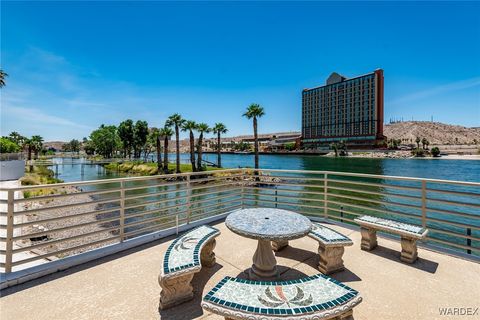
x=409, y=235
x=310, y=298
x=267, y=225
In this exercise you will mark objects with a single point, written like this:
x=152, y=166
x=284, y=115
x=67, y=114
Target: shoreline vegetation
x=143, y=168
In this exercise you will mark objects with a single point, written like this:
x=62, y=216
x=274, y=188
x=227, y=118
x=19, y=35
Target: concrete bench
x=331, y=246
x=316, y=297
x=185, y=257
x=409, y=235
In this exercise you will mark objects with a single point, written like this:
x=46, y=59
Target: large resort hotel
x=344, y=109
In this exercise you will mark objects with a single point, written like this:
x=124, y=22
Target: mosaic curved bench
x=409, y=235
x=311, y=298
x=183, y=258
x=331, y=246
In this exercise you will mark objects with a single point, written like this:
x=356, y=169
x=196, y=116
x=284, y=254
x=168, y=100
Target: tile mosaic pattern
x=395, y=225
x=327, y=235
x=302, y=296
x=268, y=224
x=184, y=252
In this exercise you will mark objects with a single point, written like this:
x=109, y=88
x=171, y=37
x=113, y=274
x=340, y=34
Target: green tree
x=424, y=143
x=37, y=145
x=140, y=134
x=154, y=138
x=166, y=133
x=3, y=75
x=105, y=140
x=125, y=133
x=176, y=121
x=417, y=140
x=255, y=111
x=8, y=146
x=151, y=144
x=219, y=128
x=190, y=126
x=202, y=128
x=16, y=137
x=435, y=151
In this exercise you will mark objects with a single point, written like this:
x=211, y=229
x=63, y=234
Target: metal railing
x=41, y=223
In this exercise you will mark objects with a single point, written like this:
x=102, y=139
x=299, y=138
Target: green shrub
x=435, y=151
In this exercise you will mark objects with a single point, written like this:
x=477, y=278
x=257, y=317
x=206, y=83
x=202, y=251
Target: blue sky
x=74, y=66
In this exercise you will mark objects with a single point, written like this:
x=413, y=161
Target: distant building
x=344, y=109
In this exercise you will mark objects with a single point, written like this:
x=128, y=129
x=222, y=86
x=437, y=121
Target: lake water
x=462, y=170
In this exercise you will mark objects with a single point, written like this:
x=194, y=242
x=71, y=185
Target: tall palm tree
x=157, y=139
x=27, y=144
x=3, y=75
x=255, y=111
x=190, y=126
x=219, y=128
x=176, y=121
x=37, y=145
x=166, y=133
x=202, y=128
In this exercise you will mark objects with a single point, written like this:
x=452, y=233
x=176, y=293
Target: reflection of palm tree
x=190, y=126
x=166, y=133
x=202, y=128
x=219, y=128
x=3, y=75
x=255, y=111
x=176, y=121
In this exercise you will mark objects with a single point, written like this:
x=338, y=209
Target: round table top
x=268, y=224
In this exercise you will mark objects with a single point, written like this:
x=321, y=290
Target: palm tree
x=37, y=144
x=202, y=128
x=175, y=120
x=190, y=126
x=27, y=144
x=255, y=111
x=3, y=75
x=166, y=133
x=417, y=140
x=219, y=128
x=156, y=138
x=424, y=142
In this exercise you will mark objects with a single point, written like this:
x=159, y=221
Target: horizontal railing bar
x=42, y=233
x=213, y=205
x=214, y=192
x=145, y=229
x=146, y=203
x=146, y=195
x=46, y=243
x=458, y=193
x=291, y=178
x=287, y=203
x=461, y=214
x=150, y=211
x=66, y=217
x=393, y=212
x=285, y=190
x=166, y=184
x=46, y=255
x=461, y=246
x=145, y=221
x=376, y=193
x=217, y=198
x=216, y=185
x=455, y=234
x=63, y=206
x=282, y=196
x=74, y=194
x=340, y=218
x=373, y=176
x=373, y=201
x=212, y=213
x=117, y=180
x=458, y=224
x=454, y=203
x=370, y=184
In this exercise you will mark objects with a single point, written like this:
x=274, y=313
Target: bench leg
x=330, y=259
x=207, y=256
x=175, y=290
x=409, y=250
x=279, y=245
x=369, y=238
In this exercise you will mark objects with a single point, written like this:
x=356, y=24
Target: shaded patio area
x=125, y=285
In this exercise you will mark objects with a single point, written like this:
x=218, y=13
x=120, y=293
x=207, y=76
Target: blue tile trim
x=195, y=257
x=209, y=297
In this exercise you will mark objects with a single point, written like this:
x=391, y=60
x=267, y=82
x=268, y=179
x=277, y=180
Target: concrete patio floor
x=125, y=285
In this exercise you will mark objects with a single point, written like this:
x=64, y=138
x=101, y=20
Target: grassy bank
x=39, y=175
x=147, y=168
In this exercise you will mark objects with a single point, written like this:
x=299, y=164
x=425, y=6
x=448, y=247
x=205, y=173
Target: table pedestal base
x=264, y=263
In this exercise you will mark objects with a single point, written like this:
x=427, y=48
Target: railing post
x=325, y=202
x=469, y=241
x=9, y=240
x=176, y=223
x=424, y=203
x=122, y=211
x=189, y=194
x=244, y=177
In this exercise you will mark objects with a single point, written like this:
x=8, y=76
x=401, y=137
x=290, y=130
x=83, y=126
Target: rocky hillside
x=435, y=132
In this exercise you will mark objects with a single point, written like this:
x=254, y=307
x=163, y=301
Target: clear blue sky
x=74, y=66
